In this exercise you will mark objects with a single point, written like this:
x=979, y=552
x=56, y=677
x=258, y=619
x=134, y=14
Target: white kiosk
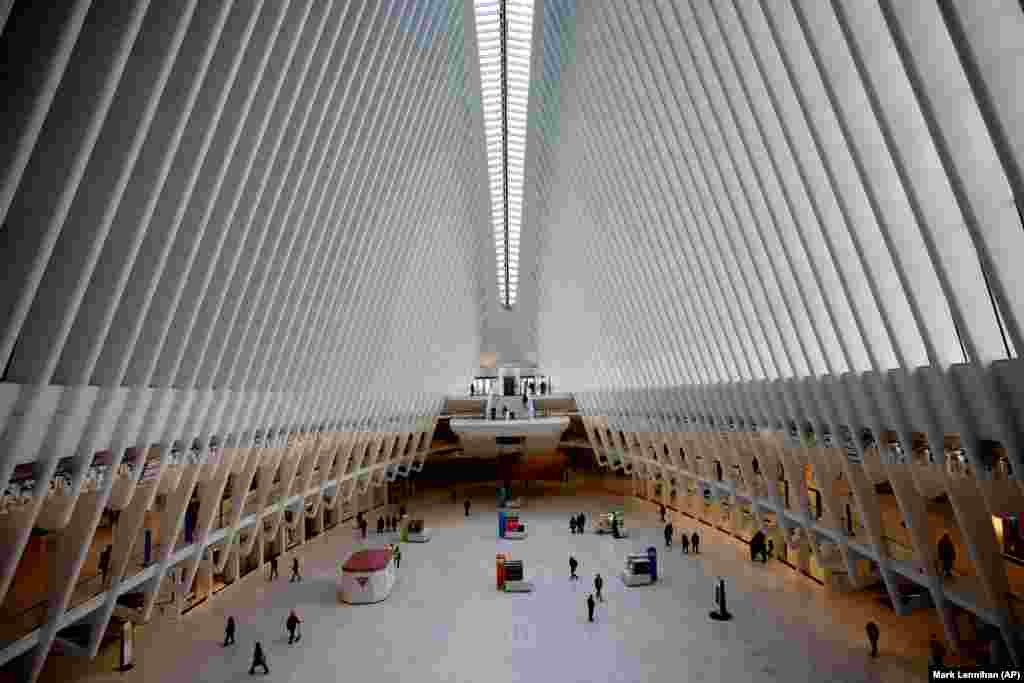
x=641, y=568
x=367, y=576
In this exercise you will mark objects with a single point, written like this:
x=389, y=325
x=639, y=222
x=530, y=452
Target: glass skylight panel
x=505, y=96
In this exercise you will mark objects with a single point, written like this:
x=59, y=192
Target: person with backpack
x=259, y=659
x=598, y=585
x=292, y=624
x=573, y=564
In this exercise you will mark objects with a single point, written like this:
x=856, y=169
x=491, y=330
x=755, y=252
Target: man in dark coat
x=573, y=564
x=598, y=585
x=695, y=543
x=572, y=525
x=229, y=632
x=466, y=506
x=685, y=542
x=582, y=522
x=296, y=576
x=258, y=659
x=590, y=607
x=668, y=535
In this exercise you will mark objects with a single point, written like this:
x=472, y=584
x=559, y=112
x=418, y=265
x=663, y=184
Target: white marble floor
x=446, y=622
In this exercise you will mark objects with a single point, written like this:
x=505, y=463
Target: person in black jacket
x=668, y=535
x=296, y=576
x=258, y=659
x=598, y=585
x=466, y=506
x=573, y=564
x=582, y=522
x=695, y=543
x=590, y=607
x=229, y=632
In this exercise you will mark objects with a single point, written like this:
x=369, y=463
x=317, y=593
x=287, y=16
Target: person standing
x=229, y=632
x=668, y=535
x=598, y=585
x=296, y=576
x=582, y=522
x=259, y=659
x=104, y=563
x=695, y=543
x=273, y=567
x=684, y=542
x=590, y=607
x=938, y=651
x=872, y=630
x=292, y=624
x=947, y=555
x=573, y=564
x=362, y=527
x=466, y=507
x=380, y=525
x=572, y=525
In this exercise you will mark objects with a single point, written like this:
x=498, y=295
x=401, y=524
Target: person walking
x=872, y=630
x=573, y=564
x=259, y=659
x=590, y=607
x=398, y=555
x=695, y=543
x=229, y=632
x=668, y=535
x=684, y=542
x=663, y=513
x=947, y=555
x=292, y=624
x=296, y=576
x=582, y=522
x=380, y=525
x=273, y=568
x=598, y=585
x=104, y=563
x=572, y=525
x=466, y=507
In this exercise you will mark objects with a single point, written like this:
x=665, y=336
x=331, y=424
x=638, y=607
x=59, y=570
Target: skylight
x=504, y=30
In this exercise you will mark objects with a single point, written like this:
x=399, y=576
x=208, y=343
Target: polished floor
x=446, y=622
